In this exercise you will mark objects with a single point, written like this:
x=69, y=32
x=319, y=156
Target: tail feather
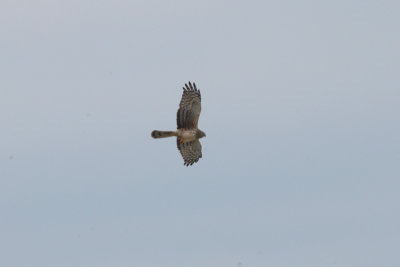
x=163, y=134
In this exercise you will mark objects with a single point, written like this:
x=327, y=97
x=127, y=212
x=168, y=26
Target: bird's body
x=188, y=133
x=183, y=134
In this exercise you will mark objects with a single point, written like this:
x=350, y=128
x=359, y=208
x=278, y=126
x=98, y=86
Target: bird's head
x=200, y=134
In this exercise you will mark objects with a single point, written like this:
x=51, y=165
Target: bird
x=187, y=119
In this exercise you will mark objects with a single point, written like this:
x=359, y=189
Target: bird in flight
x=187, y=119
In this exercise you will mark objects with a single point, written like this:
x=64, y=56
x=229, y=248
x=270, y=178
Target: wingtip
x=189, y=86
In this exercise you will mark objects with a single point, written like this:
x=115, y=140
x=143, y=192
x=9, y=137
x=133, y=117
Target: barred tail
x=162, y=134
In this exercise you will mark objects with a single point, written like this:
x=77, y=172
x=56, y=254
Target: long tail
x=162, y=134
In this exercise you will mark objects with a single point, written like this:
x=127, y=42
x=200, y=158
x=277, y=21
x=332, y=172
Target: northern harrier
x=187, y=118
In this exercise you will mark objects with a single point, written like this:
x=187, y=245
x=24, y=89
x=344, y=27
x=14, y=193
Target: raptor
x=187, y=119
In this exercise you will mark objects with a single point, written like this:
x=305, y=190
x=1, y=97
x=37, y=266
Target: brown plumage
x=187, y=119
x=163, y=134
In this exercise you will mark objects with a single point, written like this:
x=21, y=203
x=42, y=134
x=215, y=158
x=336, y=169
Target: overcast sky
x=301, y=163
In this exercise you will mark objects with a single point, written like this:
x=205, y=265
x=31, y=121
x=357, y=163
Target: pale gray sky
x=301, y=108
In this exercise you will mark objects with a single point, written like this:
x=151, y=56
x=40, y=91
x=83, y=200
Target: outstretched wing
x=190, y=151
x=188, y=113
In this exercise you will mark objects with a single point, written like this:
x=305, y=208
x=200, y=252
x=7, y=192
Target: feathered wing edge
x=190, y=151
x=189, y=110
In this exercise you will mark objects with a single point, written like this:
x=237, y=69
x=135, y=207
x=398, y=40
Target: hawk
x=187, y=119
